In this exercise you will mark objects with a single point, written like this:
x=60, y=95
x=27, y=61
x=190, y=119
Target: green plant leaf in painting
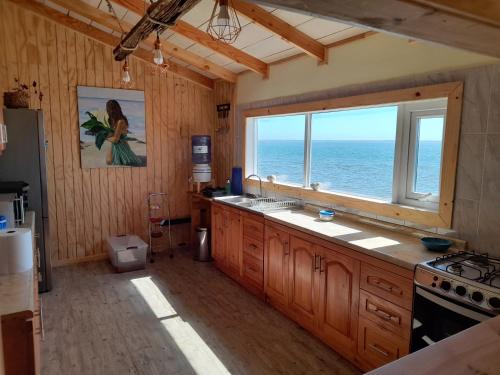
x=100, y=138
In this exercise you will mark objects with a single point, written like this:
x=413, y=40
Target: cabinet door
x=303, y=266
x=339, y=300
x=276, y=251
x=234, y=237
x=218, y=242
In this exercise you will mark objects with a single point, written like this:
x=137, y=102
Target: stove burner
x=455, y=268
x=478, y=261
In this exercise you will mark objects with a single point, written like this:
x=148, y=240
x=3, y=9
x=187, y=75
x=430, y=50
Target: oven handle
x=451, y=306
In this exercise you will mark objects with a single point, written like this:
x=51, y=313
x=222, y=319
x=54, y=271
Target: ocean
x=362, y=168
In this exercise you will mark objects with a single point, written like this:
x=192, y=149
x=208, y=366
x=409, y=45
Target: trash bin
x=202, y=250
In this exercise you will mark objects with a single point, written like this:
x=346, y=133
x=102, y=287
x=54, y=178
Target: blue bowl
x=436, y=244
x=326, y=215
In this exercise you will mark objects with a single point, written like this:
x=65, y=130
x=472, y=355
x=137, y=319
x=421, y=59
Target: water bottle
x=3, y=222
x=228, y=187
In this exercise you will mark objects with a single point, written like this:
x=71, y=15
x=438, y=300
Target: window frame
x=438, y=214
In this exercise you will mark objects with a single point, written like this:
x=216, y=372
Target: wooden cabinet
x=226, y=239
x=358, y=305
x=303, y=281
x=339, y=300
x=276, y=252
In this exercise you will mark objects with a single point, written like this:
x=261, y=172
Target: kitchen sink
x=257, y=204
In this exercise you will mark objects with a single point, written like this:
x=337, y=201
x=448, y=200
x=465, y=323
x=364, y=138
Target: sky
x=354, y=124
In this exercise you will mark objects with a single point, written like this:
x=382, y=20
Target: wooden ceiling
x=268, y=35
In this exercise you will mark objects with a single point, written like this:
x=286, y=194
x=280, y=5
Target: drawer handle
x=381, y=313
x=315, y=264
x=384, y=285
x=379, y=350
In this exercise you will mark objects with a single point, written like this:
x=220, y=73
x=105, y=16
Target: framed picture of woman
x=112, y=127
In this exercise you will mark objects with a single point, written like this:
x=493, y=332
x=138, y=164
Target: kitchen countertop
x=398, y=248
x=382, y=241
x=470, y=352
x=16, y=291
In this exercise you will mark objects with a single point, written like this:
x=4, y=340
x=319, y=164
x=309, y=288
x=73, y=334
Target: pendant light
x=224, y=24
x=157, y=55
x=125, y=74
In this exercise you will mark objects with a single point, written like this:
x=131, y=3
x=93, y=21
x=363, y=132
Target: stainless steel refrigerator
x=24, y=160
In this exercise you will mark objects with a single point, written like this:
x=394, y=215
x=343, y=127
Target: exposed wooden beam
x=461, y=26
x=283, y=29
x=235, y=54
x=106, y=38
x=198, y=36
x=487, y=11
x=105, y=19
x=159, y=15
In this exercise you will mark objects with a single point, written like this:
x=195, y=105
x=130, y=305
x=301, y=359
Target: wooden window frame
x=452, y=91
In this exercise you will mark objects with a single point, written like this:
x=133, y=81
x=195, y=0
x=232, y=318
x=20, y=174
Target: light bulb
x=157, y=55
x=223, y=18
x=125, y=74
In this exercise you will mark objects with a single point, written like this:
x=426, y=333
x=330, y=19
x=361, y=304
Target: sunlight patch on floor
x=199, y=355
x=374, y=242
x=154, y=297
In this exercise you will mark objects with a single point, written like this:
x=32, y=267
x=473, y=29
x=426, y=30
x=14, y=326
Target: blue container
x=237, y=181
x=201, y=149
x=3, y=222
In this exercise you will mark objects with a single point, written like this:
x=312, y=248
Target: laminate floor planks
x=175, y=317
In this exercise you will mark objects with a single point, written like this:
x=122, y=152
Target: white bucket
x=202, y=173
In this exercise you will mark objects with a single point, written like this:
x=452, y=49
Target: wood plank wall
x=87, y=205
x=224, y=140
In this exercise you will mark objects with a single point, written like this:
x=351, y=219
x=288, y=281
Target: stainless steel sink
x=236, y=200
x=257, y=204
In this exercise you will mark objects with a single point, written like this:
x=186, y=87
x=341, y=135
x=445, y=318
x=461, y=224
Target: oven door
x=436, y=317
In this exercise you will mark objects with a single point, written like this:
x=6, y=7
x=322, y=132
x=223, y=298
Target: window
x=389, y=153
x=353, y=151
x=280, y=148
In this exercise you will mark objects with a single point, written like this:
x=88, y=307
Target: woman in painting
x=120, y=152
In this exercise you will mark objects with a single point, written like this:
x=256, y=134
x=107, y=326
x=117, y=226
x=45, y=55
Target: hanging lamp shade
x=224, y=24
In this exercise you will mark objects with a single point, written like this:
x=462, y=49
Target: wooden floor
x=176, y=317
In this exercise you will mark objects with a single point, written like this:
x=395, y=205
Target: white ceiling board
x=131, y=18
x=119, y=10
x=250, y=35
x=281, y=55
x=219, y=59
x=80, y=18
x=318, y=28
x=94, y=3
x=268, y=47
x=200, y=13
x=269, y=9
x=292, y=18
x=180, y=40
x=344, y=34
x=235, y=67
x=56, y=7
x=166, y=34
x=200, y=50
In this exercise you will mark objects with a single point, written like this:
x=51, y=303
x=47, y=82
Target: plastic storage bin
x=127, y=252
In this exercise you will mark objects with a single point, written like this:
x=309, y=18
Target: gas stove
x=468, y=277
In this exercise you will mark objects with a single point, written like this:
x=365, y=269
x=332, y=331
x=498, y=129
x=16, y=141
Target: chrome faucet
x=260, y=180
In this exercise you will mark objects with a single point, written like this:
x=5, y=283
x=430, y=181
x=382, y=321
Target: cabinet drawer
x=253, y=228
x=387, y=285
x=253, y=270
x=377, y=346
x=253, y=248
x=385, y=314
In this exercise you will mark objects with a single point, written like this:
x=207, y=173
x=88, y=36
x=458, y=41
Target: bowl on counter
x=436, y=244
x=326, y=215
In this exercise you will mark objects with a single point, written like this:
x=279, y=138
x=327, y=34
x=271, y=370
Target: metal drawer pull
x=384, y=285
x=315, y=264
x=381, y=313
x=379, y=350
